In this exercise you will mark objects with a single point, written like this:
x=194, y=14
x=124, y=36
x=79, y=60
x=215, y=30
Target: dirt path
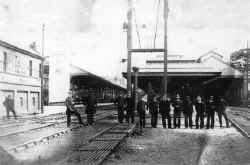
x=184, y=147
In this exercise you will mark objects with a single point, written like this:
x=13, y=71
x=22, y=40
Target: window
x=17, y=64
x=4, y=61
x=30, y=68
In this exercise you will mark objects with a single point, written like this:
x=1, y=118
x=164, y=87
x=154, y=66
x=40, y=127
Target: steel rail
x=39, y=140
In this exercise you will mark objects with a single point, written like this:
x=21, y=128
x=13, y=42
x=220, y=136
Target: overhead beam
x=146, y=50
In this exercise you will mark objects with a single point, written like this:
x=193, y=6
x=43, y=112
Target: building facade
x=240, y=60
x=20, y=78
x=207, y=75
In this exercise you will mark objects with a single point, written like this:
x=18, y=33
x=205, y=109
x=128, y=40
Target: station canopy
x=85, y=78
x=207, y=68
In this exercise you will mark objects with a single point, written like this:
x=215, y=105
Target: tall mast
x=42, y=70
x=129, y=44
x=165, y=74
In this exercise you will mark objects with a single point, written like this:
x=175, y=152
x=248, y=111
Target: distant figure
x=9, y=105
x=200, y=110
x=129, y=109
x=91, y=107
x=70, y=110
x=221, y=110
x=210, y=110
x=164, y=110
x=178, y=108
x=188, y=112
x=142, y=111
x=120, y=108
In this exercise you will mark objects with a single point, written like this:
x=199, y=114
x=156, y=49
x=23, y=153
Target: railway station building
x=20, y=78
x=205, y=75
x=66, y=76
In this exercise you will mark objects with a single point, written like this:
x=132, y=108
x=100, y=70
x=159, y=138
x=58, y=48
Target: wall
x=17, y=82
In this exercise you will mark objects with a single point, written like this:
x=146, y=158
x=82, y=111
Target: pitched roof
x=29, y=52
x=209, y=54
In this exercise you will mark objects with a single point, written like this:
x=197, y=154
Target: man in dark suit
x=129, y=109
x=210, y=110
x=120, y=107
x=154, y=112
x=178, y=108
x=188, y=112
x=164, y=110
x=70, y=110
x=91, y=107
x=200, y=110
x=221, y=110
x=9, y=105
x=142, y=111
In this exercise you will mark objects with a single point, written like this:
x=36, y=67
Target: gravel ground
x=183, y=147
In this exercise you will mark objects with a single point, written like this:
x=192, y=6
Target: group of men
x=185, y=106
x=125, y=107
x=90, y=103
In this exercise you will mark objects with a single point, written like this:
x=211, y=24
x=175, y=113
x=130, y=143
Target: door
x=22, y=102
x=34, y=108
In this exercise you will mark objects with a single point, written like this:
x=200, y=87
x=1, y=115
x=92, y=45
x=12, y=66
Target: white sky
x=89, y=32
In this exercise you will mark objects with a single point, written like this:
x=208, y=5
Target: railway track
x=240, y=118
x=36, y=126
x=98, y=147
x=28, y=140
x=41, y=130
x=36, y=122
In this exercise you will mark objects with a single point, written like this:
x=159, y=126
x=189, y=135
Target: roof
x=176, y=69
x=171, y=58
x=76, y=71
x=209, y=54
x=171, y=61
x=20, y=50
x=203, y=66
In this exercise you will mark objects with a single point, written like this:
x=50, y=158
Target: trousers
x=69, y=113
x=164, y=117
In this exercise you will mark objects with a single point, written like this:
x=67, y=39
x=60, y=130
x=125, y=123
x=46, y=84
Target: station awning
x=86, y=78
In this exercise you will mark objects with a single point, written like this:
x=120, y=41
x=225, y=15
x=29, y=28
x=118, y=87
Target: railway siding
x=100, y=146
x=240, y=118
x=28, y=131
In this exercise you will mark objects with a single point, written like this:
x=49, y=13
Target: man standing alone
x=9, y=105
